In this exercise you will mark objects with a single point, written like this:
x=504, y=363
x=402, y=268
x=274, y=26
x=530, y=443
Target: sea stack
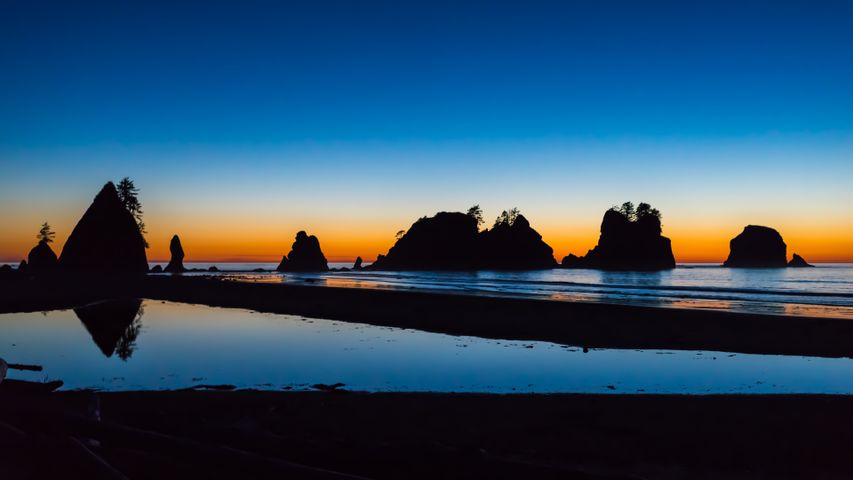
x=176, y=263
x=757, y=247
x=305, y=256
x=105, y=240
x=357, y=264
x=446, y=241
x=630, y=240
x=41, y=259
x=514, y=245
x=798, y=262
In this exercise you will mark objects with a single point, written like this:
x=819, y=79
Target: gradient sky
x=245, y=123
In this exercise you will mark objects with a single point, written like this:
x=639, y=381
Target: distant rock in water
x=514, y=246
x=757, y=247
x=105, y=240
x=156, y=269
x=41, y=259
x=629, y=240
x=305, y=256
x=447, y=241
x=357, y=264
x=113, y=325
x=798, y=262
x=23, y=267
x=213, y=269
x=176, y=263
x=452, y=241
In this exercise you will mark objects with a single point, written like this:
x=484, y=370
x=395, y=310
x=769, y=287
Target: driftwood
x=29, y=368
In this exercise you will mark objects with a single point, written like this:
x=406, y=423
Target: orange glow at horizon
x=343, y=241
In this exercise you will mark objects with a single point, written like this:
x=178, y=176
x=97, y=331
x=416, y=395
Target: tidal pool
x=154, y=345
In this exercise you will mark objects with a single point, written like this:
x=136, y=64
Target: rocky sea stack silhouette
x=105, y=240
x=514, y=245
x=452, y=241
x=757, y=247
x=630, y=240
x=798, y=262
x=176, y=263
x=305, y=256
x=41, y=259
x=446, y=241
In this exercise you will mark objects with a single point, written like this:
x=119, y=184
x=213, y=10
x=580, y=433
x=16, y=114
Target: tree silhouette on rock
x=630, y=240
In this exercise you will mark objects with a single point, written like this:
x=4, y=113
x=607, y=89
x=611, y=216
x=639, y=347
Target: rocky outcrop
x=105, y=240
x=798, y=262
x=514, y=246
x=446, y=241
x=176, y=263
x=305, y=256
x=452, y=241
x=41, y=259
x=23, y=268
x=357, y=264
x=156, y=269
x=757, y=247
x=628, y=242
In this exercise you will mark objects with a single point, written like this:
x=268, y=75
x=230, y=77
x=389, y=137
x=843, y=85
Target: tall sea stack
x=305, y=256
x=630, y=240
x=105, y=240
x=176, y=263
x=757, y=247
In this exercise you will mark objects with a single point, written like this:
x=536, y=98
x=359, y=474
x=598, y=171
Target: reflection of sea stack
x=305, y=256
x=176, y=263
x=41, y=259
x=514, y=245
x=113, y=325
x=630, y=240
x=757, y=247
x=105, y=240
x=798, y=262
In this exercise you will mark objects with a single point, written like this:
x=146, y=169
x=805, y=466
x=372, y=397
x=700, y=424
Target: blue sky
x=389, y=108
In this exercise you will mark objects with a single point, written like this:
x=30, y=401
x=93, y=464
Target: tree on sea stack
x=128, y=194
x=45, y=234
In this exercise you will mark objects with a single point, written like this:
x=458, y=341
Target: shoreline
x=183, y=434
x=590, y=325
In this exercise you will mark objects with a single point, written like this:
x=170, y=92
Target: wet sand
x=310, y=435
x=590, y=325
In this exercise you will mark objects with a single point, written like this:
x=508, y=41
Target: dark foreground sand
x=331, y=435
x=582, y=324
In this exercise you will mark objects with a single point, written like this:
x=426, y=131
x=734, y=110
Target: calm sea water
x=826, y=290
x=159, y=345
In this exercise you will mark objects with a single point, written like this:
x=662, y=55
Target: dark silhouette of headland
x=760, y=247
x=305, y=256
x=107, y=239
x=176, y=263
x=453, y=241
x=630, y=240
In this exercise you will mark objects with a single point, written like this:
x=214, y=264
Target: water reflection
x=186, y=345
x=114, y=325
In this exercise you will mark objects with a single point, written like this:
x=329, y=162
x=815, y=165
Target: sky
x=245, y=122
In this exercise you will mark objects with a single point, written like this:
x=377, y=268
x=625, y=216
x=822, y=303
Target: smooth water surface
x=161, y=345
x=825, y=291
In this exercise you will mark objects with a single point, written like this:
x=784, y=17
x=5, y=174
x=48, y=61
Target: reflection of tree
x=127, y=342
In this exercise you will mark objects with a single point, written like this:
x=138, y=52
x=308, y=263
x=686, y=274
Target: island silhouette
x=109, y=239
